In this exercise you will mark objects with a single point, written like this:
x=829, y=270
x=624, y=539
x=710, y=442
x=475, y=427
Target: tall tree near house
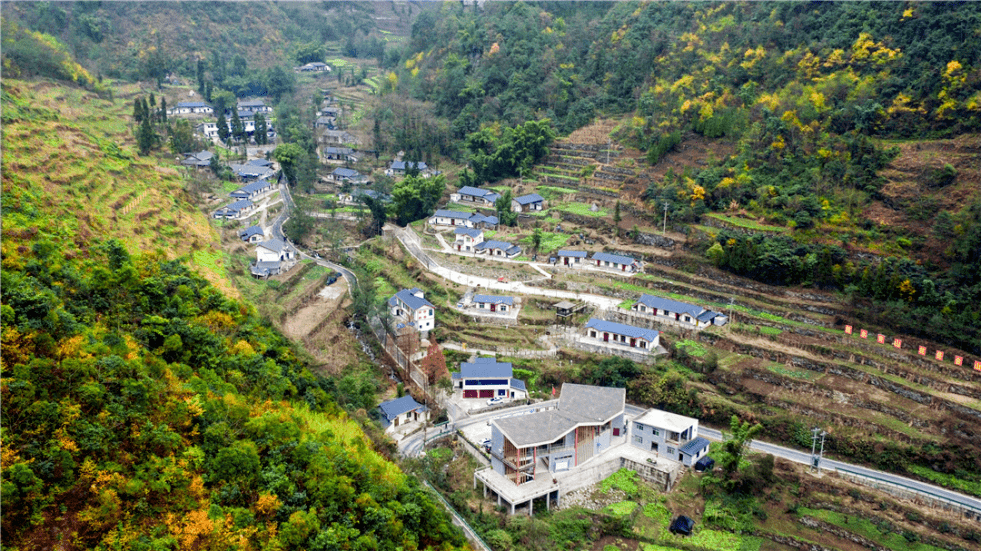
x=222, y=127
x=181, y=137
x=734, y=447
x=288, y=155
x=261, y=130
x=536, y=239
x=434, y=364
x=504, y=213
x=163, y=109
x=238, y=129
x=200, y=75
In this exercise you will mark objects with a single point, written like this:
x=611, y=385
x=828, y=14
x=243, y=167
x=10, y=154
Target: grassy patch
x=621, y=509
x=553, y=192
x=624, y=480
x=692, y=348
x=947, y=480
x=781, y=369
x=747, y=224
x=884, y=535
x=551, y=241
x=582, y=209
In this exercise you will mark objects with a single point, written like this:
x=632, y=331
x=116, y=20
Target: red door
x=606, y=337
x=493, y=308
x=633, y=343
x=469, y=393
x=486, y=393
x=566, y=259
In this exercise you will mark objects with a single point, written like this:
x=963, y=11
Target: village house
x=398, y=168
x=401, y=411
x=200, y=160
x=452, y=218
x=252, y=234
x=235, y=210
x=411, y=308
x=251, y=107
x=467, y=239
x=347, y=175
x=191, y=108
x=669, y=435
x=272, y=257
x=252, y=170
x=528, y=203
x=252, y=190
x=619, y=334
x=488, y=378
x=682, y=312
x=337, y=137
x=572, y=258
x=524, y=447
x=498, y=248
x=339, y=154
x=615, y=261
x=493, y=303
x=474, y=195
x=313, y=67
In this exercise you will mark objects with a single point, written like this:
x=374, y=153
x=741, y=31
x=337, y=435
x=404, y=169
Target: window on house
x=638, y=426
x=657, y=432
x=638, y=439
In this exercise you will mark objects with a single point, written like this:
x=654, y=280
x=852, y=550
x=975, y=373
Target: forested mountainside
x=149, y=40
x=816, y=99
x=142, y=407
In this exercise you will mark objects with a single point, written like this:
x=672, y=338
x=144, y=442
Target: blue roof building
x=400, y=411
x=624, y=335
x=678, y=311
x=487, y=378
x=410, y=307
x=615, y=261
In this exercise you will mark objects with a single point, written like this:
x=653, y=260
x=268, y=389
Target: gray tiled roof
x=529, y=199
x=622, y=329
x=578, y=405
x=494, y=299
x=694, y=445
x=393, y=408
x=615, y=258
x=661, y=303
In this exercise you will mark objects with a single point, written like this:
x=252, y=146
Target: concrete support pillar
x=499, y=501
x=485, y=491
x=512, y=509
x=547, y=497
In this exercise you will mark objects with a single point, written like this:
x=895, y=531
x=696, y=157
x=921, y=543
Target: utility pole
x=731, y=321
x=815, y=457
x=665, y=228
x=609, y=144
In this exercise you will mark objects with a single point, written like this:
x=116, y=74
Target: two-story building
x=619, y=334
x=582, y=426
x=615, y=262
x=272, y=257
x=682, y=312
x=467, y=239
x=488, y=378
x=528, y=203
x=200, y=160
x=251, y=107
x=411, y=308
x=669, y=435
x=475, y=196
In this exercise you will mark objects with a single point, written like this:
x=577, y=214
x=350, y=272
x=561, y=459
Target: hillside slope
x=142, y=408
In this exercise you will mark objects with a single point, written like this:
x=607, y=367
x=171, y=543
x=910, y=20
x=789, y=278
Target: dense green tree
x=279, y=82
x=415, y=197
x=502, y=205
x=145, y=136
x=288, y=155
x=223, y=131
x=735, y=445
x=238, y=129
x=261, y=130
x=181, y=136
x=163, y=109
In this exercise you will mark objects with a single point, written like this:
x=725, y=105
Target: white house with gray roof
x=474, y=195
x=582, y=426
x=669, y=435
x=401, y=411
x=411, y=309
x=493, y=303
x=498, y=248
x=571, y=258
x=467, y=239
x=681, y=312
x=616, y=262
x=637, y=339
x=528, y=203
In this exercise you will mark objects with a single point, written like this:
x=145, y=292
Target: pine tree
x=138, y=110
x=261, y=130
x=163, y=109
x=222, y=127
x=238, y=129
x=145, y=136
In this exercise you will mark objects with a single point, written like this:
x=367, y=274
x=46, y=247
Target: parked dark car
x=704, y=464
x=682, y=525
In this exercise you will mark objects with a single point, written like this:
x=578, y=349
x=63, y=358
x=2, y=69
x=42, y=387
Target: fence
x=468, y=531
x=917, y=495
